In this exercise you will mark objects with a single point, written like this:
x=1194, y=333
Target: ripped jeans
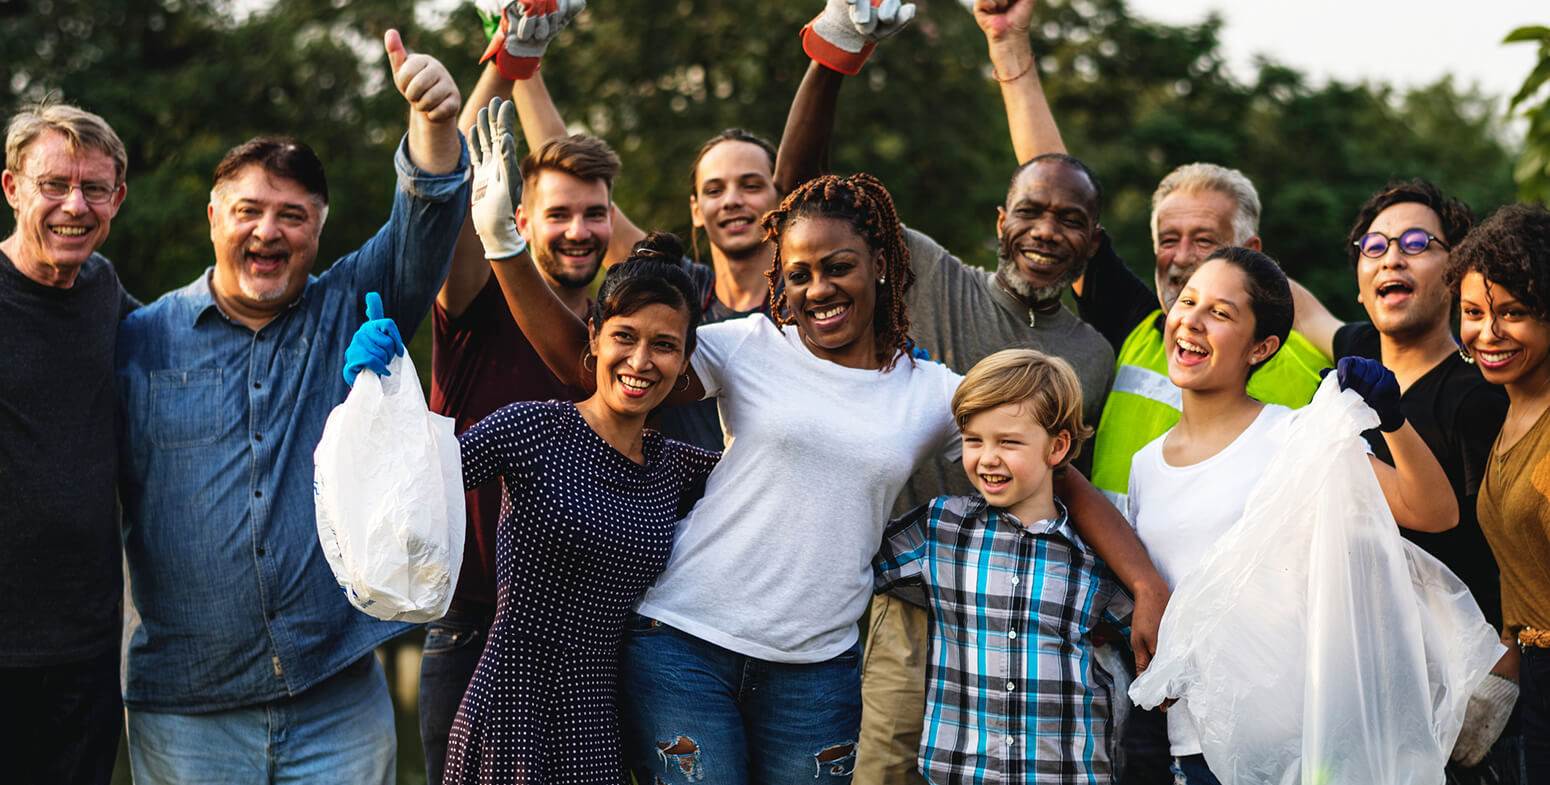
x=692, y=712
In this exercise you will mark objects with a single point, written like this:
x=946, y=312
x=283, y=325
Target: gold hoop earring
x=593, y=358
x=683, y=385
x=1466, y=356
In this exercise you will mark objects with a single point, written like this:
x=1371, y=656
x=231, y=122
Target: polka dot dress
x=583, y=531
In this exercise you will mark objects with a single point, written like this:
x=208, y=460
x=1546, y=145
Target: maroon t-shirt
x=481, y=361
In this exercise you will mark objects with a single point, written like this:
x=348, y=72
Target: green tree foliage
x=1533, y=169
x=183, y=80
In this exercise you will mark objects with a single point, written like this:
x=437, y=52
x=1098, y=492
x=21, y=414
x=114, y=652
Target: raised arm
x=1416, y=488
x=804, y=144
x=1006, y=24
x=839, y=41
x=1107, y=531
x=470, y=270
x=560, y=337
x=541, y=122
x=1313, y=320
x=434, y=142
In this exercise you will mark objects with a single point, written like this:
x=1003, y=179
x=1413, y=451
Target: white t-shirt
x=775, y=562
x=1180, y=511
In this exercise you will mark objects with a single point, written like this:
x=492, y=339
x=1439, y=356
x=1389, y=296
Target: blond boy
x=1013, y=693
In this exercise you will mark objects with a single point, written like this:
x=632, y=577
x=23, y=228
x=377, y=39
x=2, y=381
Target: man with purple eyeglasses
x=1398, y=249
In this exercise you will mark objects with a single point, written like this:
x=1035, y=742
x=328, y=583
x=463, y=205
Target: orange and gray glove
x=843, y=36
x=523, y=30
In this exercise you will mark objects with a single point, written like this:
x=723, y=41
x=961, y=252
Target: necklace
x=1033, y=308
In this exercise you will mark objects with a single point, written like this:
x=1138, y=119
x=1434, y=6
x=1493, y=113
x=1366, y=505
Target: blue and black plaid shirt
x=1014, y=694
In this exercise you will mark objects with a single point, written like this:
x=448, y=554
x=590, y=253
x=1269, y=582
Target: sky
x=1407, y=43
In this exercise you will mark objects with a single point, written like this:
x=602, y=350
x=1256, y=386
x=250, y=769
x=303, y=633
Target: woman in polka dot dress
x=591, y=498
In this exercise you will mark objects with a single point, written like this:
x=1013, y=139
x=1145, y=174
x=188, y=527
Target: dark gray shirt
x=60, y=568
x=961, y=315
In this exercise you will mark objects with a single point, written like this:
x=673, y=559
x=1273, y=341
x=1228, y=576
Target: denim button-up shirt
x=237, y=604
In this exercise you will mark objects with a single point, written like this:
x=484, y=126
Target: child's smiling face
x=1010, y=458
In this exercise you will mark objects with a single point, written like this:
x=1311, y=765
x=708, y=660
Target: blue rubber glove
x=1377, y=386
x=918, y=353
x=374, y=345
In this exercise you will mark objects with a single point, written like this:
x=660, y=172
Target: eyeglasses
x=59, y=190
x=1411, y=242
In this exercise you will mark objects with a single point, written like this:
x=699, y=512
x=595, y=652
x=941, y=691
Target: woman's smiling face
x=831, y=278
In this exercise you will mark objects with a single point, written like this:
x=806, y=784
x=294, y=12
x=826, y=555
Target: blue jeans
x=339, y=731
x=695, y=712
x=1192, y=770
x=453, y=645
x=61, y=723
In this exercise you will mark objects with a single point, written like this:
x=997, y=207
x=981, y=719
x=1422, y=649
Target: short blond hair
x=1045, y=385
x=80, y=128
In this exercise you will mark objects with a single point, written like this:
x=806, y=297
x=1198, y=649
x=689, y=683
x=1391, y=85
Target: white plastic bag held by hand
x=1313, y=644
x=388, y=487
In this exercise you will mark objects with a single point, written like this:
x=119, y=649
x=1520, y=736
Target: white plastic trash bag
x=388, y=487
x=1314, y=644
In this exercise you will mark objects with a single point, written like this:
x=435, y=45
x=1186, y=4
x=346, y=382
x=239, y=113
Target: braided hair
x=863, y=202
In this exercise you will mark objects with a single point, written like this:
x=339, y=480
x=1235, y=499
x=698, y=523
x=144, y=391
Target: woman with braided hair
x=742, y=664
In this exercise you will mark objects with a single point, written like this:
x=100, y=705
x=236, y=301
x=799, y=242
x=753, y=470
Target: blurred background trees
x=183, y=80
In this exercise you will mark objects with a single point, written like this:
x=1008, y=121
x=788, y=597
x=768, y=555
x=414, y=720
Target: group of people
x=698, y=465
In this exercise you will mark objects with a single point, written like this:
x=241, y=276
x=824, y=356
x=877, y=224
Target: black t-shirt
x=1458, y=414
x=60, y=552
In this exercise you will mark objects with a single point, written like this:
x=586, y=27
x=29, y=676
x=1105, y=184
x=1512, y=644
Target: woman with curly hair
x=1501, y=275
x=743, y=663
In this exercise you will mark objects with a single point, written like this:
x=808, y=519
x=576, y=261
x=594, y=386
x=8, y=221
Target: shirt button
x=1015, y=579
x=1011, y=686
x=258, y=494
x=271, y=615
x=259, y=336
x=261, y=550
x=258, y=385
x=1012, y=634
x=1009, y=741
x=258, y=437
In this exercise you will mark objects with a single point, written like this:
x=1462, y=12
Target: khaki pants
x=893, y=694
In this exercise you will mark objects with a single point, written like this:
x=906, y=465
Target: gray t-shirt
x=961, y=315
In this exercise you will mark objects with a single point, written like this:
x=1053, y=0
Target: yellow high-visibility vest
x=1143, y=404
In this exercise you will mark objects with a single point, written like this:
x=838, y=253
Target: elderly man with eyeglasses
x=60, y=304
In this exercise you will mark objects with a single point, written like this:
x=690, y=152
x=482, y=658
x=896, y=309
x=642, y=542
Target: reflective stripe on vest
x=1148, y=384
